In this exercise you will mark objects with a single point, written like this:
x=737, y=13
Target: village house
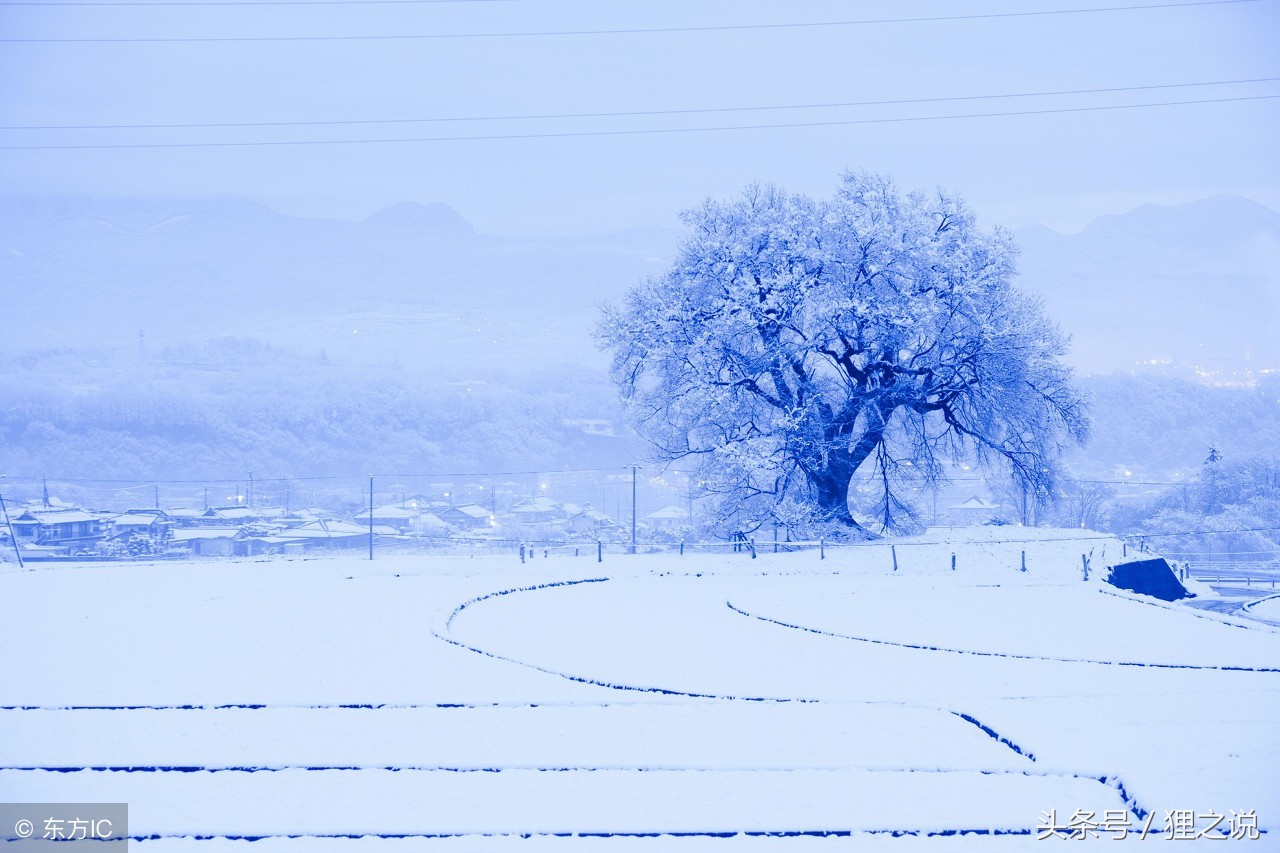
x=402, y=519
x=155, y=524
x=589, y=521
x=324, y=533
x=668, y=517
x=207, y=541
x=466, y=517
x=72, y=528
x=973, y=510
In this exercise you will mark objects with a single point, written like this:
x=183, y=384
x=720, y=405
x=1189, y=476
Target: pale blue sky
x=1058, y=169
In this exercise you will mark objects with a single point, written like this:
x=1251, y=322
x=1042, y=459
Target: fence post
x=822, y=549
x=681, y=547
x=753, y=547
x=1024, y=561
x=953, y=562
x=893, y=549
x=599, y=551
x=1085, y=561
x=1124, y=549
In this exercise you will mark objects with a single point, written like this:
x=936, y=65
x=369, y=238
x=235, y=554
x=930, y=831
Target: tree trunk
x=832, y=477
x=832, y=487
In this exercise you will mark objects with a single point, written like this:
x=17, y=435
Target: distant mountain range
x=1197, y=283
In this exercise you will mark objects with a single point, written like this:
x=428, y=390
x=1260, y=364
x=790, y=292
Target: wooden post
x=953, y=562
x=681, y=547
x=13, y=537
x=370, y=515
x=1085, y=561
x=753, y=547
x=599, y=551
x=893, y=549
x=1024, y=561
x=633, y=509
x=822, y=549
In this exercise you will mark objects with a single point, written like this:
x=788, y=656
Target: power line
x=636, y=132
x=629, y=31
x=200, y=3
x=640, y=113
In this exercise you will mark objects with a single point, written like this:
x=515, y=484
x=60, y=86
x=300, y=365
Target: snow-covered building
x=973, y=510
x=667, y=517
x=154, y=523
x=207, y=541
x=589, y=521
x=58, y=527
x=323, y=533
x=236, y=514
x=537, y=510
x=467, y=516
x=401, y=518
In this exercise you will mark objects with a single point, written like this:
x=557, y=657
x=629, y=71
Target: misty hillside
x=411, y=283
x=1198, y=283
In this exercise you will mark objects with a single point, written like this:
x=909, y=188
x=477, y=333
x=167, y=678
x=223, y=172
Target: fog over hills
x=412, y=283
x=1198, y=284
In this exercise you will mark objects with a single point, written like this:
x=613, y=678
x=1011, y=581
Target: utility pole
x=13, y=537
x=249, y=497
x=156, y=497
x=370, y=516
x=633, y=508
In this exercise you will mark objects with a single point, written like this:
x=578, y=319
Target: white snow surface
x=649, y=702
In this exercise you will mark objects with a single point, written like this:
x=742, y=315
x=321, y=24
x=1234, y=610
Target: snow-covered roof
x=324, y=529
x=975, y=502
x=672, y=512
x=57, y=516
x=473, y=510
x=594, y=515
x=390, y=512
x=134, y=520
x=191, y=533
x=231, y=512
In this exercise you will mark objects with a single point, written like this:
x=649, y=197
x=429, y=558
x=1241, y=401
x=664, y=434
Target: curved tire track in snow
x=1112, y=781
x=1010, y=655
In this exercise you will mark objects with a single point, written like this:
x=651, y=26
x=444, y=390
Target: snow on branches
x=798, y=346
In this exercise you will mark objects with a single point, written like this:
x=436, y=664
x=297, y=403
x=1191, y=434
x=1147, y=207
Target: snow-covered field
x=651, y=702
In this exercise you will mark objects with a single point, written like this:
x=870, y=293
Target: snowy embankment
x=660, y=700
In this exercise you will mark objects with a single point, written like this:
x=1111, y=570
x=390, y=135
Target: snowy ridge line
x=1010, y=655
x=1116, y=782
x=994, y=735
x=185, y=768
x=582, y=679
x=1212, y=616
x=479, y=598
x=690, y=833
x=363, y=706
x=1250, y=605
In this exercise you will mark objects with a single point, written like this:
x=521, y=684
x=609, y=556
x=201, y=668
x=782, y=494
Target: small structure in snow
x=1148, y=577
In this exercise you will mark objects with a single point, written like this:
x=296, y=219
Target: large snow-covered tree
x=798, y=346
